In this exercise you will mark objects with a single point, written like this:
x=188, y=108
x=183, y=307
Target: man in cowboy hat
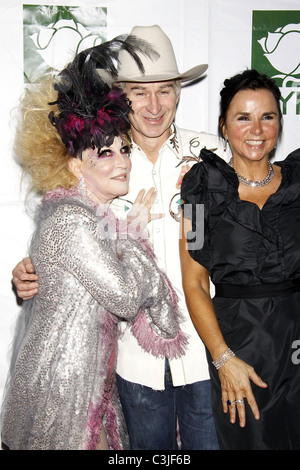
x=179, y=390
x=159, y=397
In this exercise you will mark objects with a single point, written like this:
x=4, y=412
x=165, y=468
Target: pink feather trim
x=155, y=344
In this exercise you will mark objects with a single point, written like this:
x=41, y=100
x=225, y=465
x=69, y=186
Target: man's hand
x=25, y=280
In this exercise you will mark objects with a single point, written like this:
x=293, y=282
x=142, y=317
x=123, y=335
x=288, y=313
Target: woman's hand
x=235, y=377
x=25, y=280
x=234, y=374
x=140, y=213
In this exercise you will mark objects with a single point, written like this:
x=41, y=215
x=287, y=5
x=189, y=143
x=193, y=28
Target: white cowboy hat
x=157, y=70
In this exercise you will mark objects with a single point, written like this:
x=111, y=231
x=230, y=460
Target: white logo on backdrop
x=282, y=49
x=64, y=36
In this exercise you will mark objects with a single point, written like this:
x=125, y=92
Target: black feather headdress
x=91, y=110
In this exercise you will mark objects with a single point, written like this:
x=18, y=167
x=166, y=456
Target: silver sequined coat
x=61, y=387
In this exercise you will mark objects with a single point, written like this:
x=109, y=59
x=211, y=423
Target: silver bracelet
x=223, y=358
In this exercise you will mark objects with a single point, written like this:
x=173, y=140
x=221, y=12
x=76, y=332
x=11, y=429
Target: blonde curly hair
x=38, y=146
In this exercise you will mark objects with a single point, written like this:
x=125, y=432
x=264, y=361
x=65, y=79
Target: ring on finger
x=229, y=402
x=239, y=402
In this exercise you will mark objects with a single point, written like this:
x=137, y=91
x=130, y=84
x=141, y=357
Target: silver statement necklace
x=253, y=183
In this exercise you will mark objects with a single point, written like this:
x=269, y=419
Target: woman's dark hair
x=247, y=80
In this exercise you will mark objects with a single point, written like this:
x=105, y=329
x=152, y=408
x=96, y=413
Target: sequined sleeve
x=119, y=273
x=64, y=346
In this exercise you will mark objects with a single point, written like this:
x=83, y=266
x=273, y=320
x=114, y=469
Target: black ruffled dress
x=253, y=258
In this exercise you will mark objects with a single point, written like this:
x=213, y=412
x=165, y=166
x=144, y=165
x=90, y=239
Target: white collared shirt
x=133, y=363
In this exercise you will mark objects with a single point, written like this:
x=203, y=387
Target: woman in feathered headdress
x=92, y=268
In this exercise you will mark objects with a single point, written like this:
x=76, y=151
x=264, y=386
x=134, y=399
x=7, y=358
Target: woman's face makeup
x=252, y=124
x=106, y=171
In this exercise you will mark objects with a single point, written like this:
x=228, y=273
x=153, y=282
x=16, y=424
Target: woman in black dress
x=250, y=249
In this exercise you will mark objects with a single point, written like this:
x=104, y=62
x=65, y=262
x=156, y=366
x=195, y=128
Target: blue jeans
x=151, y=416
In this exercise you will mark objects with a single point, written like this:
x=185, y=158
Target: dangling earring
x=81, y=186
x=225, y=146
x=81, y=182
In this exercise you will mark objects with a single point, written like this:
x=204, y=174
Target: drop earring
x=80, y=182
x=81, y=186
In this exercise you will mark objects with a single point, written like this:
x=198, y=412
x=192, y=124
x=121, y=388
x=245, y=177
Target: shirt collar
x=173, y=143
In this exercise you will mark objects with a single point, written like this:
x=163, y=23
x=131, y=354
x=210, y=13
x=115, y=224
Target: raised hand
x=140, y=213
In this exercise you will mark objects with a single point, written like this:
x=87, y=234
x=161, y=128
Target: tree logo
x=276, y=52
x=54, y=34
